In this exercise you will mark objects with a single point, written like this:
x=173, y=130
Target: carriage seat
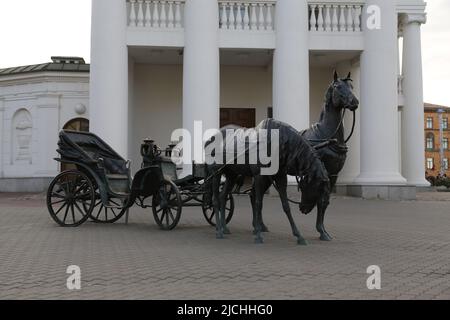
x=119, y=183
x=115, y=166
x=117, y=175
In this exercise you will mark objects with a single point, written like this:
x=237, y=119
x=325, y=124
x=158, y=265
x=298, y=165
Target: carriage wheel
x=70, y=198
x=209, y=213
x=102, y=214
x=167, y=205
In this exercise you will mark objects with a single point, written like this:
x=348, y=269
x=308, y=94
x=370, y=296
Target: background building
x=157, y=66
x=437, y=136
x=36, y=102
x=176, y=62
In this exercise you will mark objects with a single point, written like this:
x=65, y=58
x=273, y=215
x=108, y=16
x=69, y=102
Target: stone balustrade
x=155, y=14
x=247, y=15
x=329, y=16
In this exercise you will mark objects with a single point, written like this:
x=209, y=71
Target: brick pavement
x=410, y=241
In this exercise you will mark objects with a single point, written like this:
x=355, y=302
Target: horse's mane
x=295, y=152
x=296, y=155
x=326, y=103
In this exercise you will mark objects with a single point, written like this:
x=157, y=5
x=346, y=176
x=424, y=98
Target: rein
x=353, y=127
x=338, y=127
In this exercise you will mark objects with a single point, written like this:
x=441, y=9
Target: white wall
x=320, y=79
x=157, y=107
x=36, y=107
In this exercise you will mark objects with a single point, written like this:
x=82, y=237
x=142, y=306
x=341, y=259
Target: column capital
x=408, y=18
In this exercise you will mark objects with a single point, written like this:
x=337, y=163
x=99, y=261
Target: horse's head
x=315, y=187
x=340, y=93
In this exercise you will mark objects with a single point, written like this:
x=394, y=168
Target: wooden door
x=236, y=116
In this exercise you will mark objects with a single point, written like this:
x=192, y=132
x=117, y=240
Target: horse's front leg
x=215, y=185
x=260, y=186
x=256, y=216
x=322, y=205
x=264, y=228
x=281, y=182
x=227, y=189
x=252, y=201
x=321, y=209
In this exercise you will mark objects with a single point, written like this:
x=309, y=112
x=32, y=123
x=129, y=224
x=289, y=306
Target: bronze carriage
x=100, y=186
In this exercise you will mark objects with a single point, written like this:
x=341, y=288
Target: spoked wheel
x=70, y=198
x=208, y=210
x=102, y=214
x=167, y=205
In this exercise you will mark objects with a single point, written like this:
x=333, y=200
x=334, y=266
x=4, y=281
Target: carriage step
x=117, y=176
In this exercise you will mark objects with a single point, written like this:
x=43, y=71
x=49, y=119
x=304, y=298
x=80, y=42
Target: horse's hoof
x=259, y=241
x=220, y=236
x=302, y=242
x=325, y=237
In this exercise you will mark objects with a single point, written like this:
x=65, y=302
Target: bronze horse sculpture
x=296, y=157
x=339, y=97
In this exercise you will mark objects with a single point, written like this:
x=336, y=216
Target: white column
x=2, y=137
x=109, y=73
x=201, y=68
x=379, y=99
x=413, y=111
x=47, y=123
x=291, y=64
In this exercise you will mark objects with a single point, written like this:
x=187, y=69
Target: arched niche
x=22, y=137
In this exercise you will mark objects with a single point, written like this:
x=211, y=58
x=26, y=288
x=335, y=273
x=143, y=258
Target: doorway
x=245, y=118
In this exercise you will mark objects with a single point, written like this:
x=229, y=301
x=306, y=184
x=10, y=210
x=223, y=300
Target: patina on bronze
x=339, y=97
x=296, y=157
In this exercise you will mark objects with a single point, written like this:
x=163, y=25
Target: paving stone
x=408, y=240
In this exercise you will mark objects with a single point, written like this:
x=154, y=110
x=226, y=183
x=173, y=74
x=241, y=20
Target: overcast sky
x=33, y=30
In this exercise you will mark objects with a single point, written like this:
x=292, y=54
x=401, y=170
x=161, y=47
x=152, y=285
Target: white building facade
x=157, y=66
x=161, y=65
x=36, y=102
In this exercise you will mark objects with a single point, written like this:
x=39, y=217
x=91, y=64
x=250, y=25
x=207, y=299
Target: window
x=430, y=141
x=430, y=163
x=445, y=164
x=429, y=123
x=445, y=123
x=445, y=143
x=78, y=124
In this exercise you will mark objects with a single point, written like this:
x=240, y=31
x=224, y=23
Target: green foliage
x=442, y=181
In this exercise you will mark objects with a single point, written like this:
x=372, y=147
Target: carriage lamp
x=149, y=152
x=169, y=149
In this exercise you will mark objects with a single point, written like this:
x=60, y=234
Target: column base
x=380, y=192
x=419, y=183
x=382, y=178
